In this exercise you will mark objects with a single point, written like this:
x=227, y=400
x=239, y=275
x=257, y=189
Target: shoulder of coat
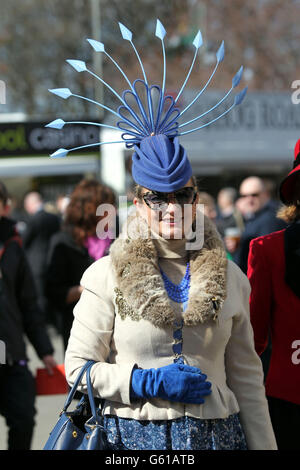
x=99, y=270
x=235, y=275
x=265, y=239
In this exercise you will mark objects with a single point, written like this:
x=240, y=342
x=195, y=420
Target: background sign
x=262, y=131
x=33, y=138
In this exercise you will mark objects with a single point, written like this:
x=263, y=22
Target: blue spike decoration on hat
x=159, y=162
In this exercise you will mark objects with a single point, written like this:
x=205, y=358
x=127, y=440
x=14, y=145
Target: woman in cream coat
x=125, y=320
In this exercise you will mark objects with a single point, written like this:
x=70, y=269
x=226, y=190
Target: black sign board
x=33, y=138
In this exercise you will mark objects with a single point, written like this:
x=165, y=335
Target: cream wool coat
x=125, y=318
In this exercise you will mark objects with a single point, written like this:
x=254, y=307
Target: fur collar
x=140, y=291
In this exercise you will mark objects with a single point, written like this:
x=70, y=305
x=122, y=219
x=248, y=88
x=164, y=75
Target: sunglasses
x=158, y=201
x=250, y=195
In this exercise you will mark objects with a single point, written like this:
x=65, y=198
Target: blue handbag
x=80, y=429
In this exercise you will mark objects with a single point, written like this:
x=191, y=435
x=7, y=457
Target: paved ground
x=48, y=407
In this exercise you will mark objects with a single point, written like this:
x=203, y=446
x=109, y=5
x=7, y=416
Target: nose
x=173, y=207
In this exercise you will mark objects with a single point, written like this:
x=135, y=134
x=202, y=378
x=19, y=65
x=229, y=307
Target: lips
x=172, y=221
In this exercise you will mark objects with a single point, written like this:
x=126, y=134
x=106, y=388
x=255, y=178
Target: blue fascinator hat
x=149, y=120
x=161, y=164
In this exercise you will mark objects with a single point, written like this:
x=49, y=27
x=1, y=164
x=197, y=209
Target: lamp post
x=95, y=10
x=97, y=57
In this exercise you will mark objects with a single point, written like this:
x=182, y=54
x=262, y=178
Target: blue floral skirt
x=184, y=433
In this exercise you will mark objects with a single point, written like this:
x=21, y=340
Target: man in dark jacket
x=41, y=225
x=259, y=211
x=260, y=216
x=19, y=315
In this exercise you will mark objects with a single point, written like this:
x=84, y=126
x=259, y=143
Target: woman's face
x=172, y=221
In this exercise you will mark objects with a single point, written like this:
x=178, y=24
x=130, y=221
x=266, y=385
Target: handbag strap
x=90, y=393
x=85, y=369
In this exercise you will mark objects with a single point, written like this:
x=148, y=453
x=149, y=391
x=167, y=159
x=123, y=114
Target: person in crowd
x=241, y=206
x=273, y=271
x=229, y=221
x=19, y=316
x=162, y=318
x=41, y=225
x=209, y=205
x=17, y=213
x=228, y=214
x=75, y=248
x=61, y=204
x=260, y=217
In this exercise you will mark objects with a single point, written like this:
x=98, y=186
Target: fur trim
x=140, y=291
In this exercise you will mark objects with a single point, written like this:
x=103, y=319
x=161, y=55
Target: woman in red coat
x=274, y=274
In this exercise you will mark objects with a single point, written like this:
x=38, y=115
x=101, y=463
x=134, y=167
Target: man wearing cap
x=273, y=271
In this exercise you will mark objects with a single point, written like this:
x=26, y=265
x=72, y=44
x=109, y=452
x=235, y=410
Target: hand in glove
x=175, y=382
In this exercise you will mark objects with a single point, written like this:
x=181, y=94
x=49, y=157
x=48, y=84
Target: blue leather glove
x=175, y=382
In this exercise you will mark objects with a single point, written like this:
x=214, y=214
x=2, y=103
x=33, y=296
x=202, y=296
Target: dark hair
x=80, y=217
x=3, y=193
x=138, y=188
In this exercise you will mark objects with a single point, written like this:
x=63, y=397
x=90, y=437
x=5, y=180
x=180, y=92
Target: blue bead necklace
x=178, y=292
